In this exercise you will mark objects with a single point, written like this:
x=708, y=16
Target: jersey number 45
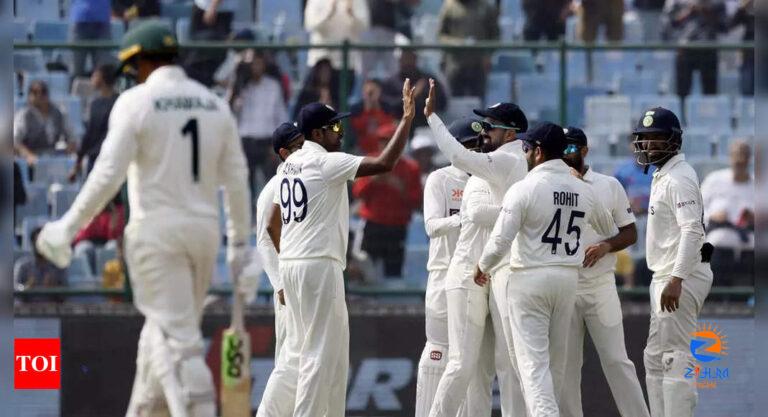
x=556, y=239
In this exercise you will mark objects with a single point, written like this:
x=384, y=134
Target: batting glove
x=54, y=243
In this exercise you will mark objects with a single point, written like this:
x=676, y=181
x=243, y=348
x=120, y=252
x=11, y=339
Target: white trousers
x=541, y=302
x=171, y=264
x=510, y=388
x=469, y=334
x=598, y=310
x=310, y=377
x=667, y=353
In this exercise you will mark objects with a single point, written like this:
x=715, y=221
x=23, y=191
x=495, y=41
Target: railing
x=562, y=47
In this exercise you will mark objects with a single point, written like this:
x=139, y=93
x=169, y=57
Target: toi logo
x=37, y=364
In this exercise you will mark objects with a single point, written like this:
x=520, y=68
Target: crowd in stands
x=63, y=100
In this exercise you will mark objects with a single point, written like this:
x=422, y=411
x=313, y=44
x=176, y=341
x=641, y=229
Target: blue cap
x=316, y=115
x=284, y=135
x=547, y=136
x=658, y=120
x=509, y=114
x=575, y=136
x=467, y=129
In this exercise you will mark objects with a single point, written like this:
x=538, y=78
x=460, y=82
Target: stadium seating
x=700, y=144
x=744, y=108
x=38, y=9
x=514, y=62
x=280, y=17
x=28, y=60
x=50, y=31
x=643, y=102
x=498, y=87
x=461, y=107
x=73, y=109
x=103, y=255
x=608, y=114
x=643, y=83
x=28, y=225
x=417, y=234
x=52, y=169
x=20, y=30
x=118, y=29
x=182, y=29
x=711, y=113
x=61, y=198
x=577, y=94
x=37, y=202
x=536, y=93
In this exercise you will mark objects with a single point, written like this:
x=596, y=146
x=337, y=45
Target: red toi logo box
x=37, y=364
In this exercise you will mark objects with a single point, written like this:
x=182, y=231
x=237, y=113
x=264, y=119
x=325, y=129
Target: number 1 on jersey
x=191, y=129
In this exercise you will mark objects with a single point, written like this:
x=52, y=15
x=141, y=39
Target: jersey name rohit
x=565, y=198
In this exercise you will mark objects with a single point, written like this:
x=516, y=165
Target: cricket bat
x=236, y=364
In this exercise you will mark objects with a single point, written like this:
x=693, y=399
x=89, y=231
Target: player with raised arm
x=543, y=215
x=443, y=191
x=598, y=309
x=678, y=255
x=286, y=140
x=312, y=242
x=493, y=173
x=177, y=143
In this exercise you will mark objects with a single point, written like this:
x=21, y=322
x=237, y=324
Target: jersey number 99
x=293, y=199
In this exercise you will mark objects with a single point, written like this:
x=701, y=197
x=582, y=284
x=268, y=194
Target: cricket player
x=544, y=215
x=314, y=210
x=598, y=309
x=286, y=139
x=679, y=258
x=177, y=143
x=443, y=191
x=493, y=173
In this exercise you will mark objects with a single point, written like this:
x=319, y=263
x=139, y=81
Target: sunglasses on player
x=336, y=127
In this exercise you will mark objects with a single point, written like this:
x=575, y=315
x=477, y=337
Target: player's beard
x=575, y=161
x=529, y=158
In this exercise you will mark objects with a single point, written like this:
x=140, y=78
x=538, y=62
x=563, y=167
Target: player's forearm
x=437, y=227
x=271, y=264
x=688, y=252
x=493, y=253
x=237, y=209
x=462, y=158
x=275, y=227
x=386, y=161
x=626, y=237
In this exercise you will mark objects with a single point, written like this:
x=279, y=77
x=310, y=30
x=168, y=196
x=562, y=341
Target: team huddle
x=523, y=236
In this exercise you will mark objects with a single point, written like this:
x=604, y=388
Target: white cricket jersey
x=478, y=214
x=443, y=191
x=178, y=143
x=542, y=220
x=314, y=203
x=675, y=221
x=264, y=244
x=615, y=200
x=502, y=167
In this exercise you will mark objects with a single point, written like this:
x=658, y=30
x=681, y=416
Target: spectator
x=387, y=203
x=545, y=19
x=463, y=21
x=211, y=21
x=745, y=16
x=39, y=128
x=335, y=21
x=36, y=271
x=369, y=116
x=132, y=9
x=597, y=13
x=392, y=88
x=637, y=184
x=423, y=151
x=729, y=214
x=695, y=21
x=103, y=83
x=649, y=13
x=90, y=22
x=322, y=84
x=104, y=231
x=257, y=101
x=390, y=24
